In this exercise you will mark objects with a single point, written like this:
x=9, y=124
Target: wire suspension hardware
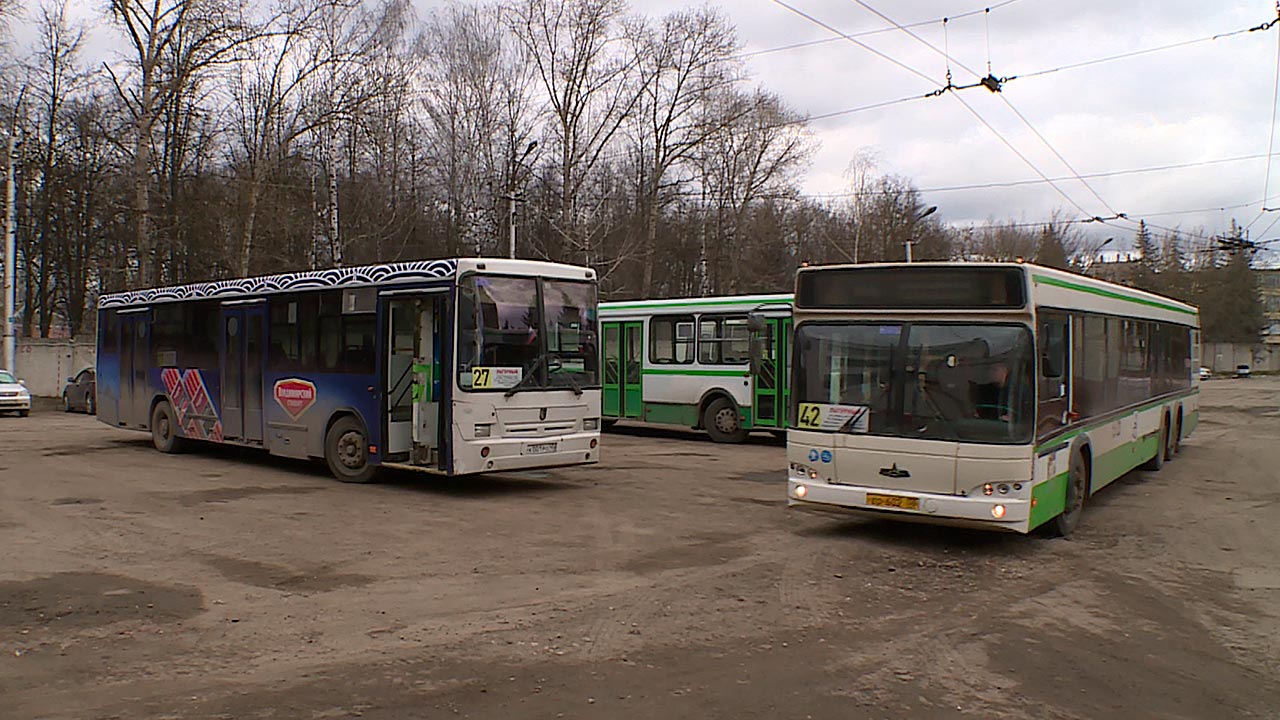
x=987, y=16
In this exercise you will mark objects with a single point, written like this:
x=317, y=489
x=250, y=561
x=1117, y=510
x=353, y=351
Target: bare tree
x=479, y=112
x=208, y=32
x=573, y=45
x=757, y=156
x=683, y=63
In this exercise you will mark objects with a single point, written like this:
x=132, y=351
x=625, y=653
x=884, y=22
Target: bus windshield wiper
x=533, y=372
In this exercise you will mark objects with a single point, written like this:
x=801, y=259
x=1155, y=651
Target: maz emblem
x=894, y=472
x=542, y=414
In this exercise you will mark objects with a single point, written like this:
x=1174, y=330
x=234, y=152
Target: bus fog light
x=1004, y=489
x=997, y=512
x=988, y=489
x=801, y=491
x=591, y=424
x=482, y=431
x=484, y=451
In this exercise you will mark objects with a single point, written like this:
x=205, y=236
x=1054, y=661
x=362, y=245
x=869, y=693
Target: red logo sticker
x=295, y=396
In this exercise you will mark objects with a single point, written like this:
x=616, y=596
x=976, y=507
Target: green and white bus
x=982, y=394
x=687, y=361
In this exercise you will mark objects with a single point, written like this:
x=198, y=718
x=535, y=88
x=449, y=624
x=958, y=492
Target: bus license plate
x=539, y=448
x=893, y=501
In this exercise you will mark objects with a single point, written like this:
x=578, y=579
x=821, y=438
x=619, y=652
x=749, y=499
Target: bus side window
x=1054, y=376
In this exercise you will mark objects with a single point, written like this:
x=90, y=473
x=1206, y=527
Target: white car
x=1206, y=373
x=14, y=396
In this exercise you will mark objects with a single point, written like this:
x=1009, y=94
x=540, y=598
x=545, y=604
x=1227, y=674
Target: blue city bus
x=449, y=366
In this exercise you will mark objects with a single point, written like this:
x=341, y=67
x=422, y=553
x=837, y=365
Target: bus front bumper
x=502, y=454
x=996, y=512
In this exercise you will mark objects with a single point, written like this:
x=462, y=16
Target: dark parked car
x=81, y=392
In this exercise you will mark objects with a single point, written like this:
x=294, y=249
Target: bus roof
x=390, y=274
x=704, y=304
x=1063, y=289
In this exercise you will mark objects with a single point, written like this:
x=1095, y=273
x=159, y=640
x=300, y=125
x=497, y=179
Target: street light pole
x=922, y=215
x=10, y=240
x=513, y=198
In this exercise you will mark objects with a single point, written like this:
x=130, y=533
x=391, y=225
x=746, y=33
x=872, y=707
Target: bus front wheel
x=1076, y=492
x=346, y=451
x=722, y=423
x=164, y=429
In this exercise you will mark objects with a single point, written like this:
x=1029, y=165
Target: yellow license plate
x=893, y=501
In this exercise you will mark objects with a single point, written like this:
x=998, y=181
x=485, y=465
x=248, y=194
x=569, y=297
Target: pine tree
x=1174, y=280
x=1230, y=305
x=1050, y=251
x=1148, y=260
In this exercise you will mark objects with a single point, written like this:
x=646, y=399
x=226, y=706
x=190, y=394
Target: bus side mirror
x=757, y=328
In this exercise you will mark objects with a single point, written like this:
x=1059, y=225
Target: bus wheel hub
x=349, y=450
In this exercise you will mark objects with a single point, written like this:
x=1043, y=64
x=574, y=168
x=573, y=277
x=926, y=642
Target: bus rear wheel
x=1076, y=492
x=1162, y=450
x=722, y=423
x=164, y=429
x=346, y=451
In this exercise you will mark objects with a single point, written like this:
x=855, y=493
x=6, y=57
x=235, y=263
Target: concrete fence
x=1224, y=357
x=45, y=365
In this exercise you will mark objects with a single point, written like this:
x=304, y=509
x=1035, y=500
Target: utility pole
x=10, y=259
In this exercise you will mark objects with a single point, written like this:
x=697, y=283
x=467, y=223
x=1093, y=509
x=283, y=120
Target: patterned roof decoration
x=391, y=274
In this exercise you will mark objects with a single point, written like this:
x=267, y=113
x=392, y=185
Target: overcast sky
x=1206, y=101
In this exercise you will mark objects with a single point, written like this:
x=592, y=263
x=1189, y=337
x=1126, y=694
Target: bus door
x=413, y=377
x=771, y=388
x=133, y=402
x=623, y=350
x=243, y=333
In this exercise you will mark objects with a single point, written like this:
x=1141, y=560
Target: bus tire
x=1162, y=450
x=346, y=451
x=164, y=429
x=1175, y=439
x=1076, y=492
x=722, y=422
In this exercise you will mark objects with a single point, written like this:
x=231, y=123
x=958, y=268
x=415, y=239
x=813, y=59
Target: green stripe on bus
x=1090, y=427
x=661, y=305
x=698, y=373
x=1046, y=280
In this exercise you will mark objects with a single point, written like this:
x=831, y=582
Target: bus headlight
x=482, y=431
x=591, y=424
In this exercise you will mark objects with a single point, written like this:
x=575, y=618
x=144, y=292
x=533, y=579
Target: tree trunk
x=250, y=217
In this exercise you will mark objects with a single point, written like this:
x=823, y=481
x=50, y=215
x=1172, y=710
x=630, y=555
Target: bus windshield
x=958, y=382
x=526, y=333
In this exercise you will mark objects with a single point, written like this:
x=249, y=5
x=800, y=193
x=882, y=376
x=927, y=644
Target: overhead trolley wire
x=864, y=33
x=1018, y=113
x=920, y=74
x=1271, y=137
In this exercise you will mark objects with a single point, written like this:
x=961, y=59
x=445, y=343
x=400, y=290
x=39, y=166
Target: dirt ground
x=669, y=582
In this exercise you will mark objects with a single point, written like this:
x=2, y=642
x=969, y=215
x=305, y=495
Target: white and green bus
x=981, y=394
x=687, y=361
